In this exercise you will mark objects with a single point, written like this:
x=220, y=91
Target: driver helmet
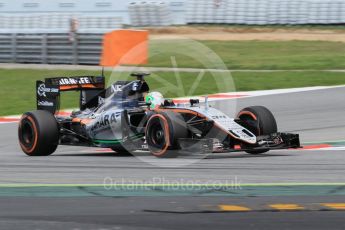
x=155, y=98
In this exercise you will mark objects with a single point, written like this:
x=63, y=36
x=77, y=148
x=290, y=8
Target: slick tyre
x=260, y=121
x=162, y=133
x=38, y=133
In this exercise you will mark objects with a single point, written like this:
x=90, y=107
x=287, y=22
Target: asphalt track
x=318, y=116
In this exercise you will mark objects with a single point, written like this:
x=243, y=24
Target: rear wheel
x=260, y=121
x=38, y=133
x=162, y=133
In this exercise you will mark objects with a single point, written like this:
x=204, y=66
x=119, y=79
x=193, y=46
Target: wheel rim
x=156, y=134
x=27, y=134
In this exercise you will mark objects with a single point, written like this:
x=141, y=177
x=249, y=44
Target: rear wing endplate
x=48, y=91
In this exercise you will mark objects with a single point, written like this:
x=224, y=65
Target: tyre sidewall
x=46, y=132
x=174, y=128
x=266, y=123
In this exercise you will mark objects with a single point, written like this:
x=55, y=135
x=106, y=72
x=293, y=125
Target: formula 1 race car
x=127, y=117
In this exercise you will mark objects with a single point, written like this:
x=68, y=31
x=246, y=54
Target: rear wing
x=48, y=91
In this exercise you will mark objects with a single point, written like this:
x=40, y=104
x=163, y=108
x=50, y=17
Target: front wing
x=268, y=142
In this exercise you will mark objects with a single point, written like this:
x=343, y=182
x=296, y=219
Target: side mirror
x=194, y=101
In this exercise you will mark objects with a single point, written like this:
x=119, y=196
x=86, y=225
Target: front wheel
x=162, y=133
x=260, y=121
x=38, y=133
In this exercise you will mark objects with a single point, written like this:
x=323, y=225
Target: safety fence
x=62, y=48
